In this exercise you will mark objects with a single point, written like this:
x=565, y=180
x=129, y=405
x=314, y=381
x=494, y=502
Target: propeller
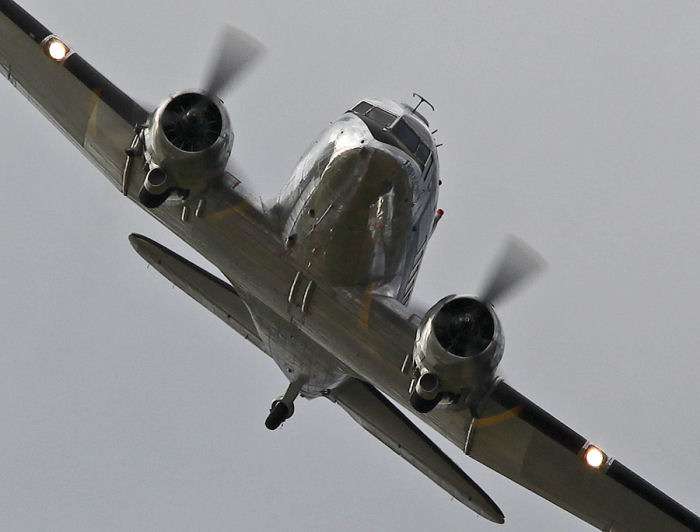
x=232, y=57
x=192, y=121
x=517, y=264
x=234, y=54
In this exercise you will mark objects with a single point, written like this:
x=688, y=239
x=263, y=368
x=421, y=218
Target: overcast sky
x=575, y=125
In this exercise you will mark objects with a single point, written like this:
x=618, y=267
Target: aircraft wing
x=518, y=439
x=511, y=435
x=214, y=294
x=93, y=113
x=384, y=421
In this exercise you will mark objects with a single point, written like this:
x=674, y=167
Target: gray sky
x=575, y=125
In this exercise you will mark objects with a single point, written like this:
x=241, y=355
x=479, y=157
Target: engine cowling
x=457, y=350
x=187, y=143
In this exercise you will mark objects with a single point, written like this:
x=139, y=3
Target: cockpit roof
x=394, y=127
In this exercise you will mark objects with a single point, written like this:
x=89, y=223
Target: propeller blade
x=518, y=263
x=235, y=52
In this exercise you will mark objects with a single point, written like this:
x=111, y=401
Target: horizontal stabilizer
x=206, y=289
x=388, y=424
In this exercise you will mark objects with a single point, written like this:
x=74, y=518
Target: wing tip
x=144, y=246
x=490, y=511
x=497, y=518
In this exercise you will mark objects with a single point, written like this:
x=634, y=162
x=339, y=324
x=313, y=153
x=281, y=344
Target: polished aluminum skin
x=322, y=311
x=356, y=215
x=359, y=208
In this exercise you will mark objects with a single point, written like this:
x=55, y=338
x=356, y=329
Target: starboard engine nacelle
x=187, y=143
x=457, y=349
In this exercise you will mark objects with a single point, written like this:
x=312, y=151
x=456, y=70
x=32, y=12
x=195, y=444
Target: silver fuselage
x=320, y=277
x=355, y=217
x=359, y=208
x=329, y=301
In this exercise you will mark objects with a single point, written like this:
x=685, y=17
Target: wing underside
x=91, y=111
x=518, y=439
x=219, y=297
x=384, y=421
x=511, y=435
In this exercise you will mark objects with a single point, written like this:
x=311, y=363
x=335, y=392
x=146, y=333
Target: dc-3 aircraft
x=320, y=278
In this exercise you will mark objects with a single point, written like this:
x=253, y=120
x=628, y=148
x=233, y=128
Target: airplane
x=275, y=272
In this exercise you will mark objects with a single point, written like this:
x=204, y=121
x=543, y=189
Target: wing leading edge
x=511, y=435
x=92, y=112
x=518, y=439
x=218, y=297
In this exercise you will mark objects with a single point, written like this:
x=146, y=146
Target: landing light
x=56, y=49
x=594, y=457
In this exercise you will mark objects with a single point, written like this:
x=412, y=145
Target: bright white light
x=57, y=50
x=595, y=457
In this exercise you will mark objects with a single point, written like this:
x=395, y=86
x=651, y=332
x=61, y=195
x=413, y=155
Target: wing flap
x=218, y=297
x=384, y=421
x=518, y=439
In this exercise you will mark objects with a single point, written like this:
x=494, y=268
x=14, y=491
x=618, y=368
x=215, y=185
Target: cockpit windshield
x=381, y=117
x=388, y=127
x=378, y=116
x=422, y=154
x=361, y=108
x=406, y=135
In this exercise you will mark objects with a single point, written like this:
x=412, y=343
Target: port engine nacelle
x=187, y=143
x=457, y=350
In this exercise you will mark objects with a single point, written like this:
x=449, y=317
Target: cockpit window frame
x=362, y=108
x=382, y=117
x=428, y=166
x=388, y=122
x=405, y=135
x=422, y=160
